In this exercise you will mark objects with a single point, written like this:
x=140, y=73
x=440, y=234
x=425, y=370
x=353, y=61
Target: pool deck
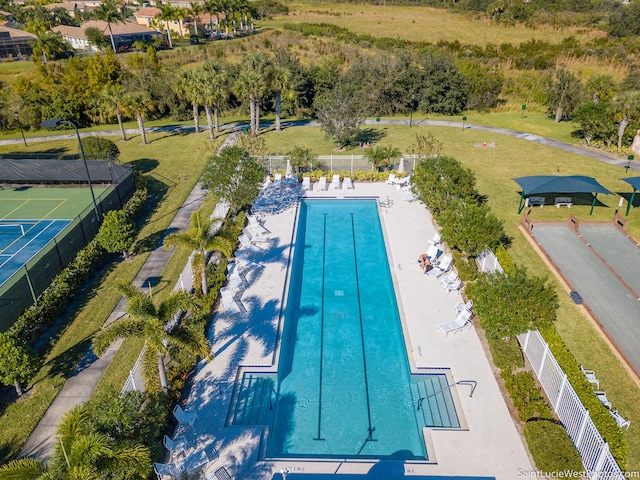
x=491, y=447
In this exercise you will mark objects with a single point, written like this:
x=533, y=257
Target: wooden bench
x=563, y=202
x=535, y=201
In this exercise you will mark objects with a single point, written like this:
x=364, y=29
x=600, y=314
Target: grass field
x=417, y=23
x=171, y=174
x=494, y=168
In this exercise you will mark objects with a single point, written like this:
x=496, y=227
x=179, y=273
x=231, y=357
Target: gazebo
x=538, y=184
x=635, y=183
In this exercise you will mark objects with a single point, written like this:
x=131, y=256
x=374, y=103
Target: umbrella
x=288, y=172
x=401, y=166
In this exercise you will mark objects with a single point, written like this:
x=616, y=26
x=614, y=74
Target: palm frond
x=191, y=340
x=126, y=327
x=174, y=303
x=23, y=469
x=150, y=370
x=132, y=458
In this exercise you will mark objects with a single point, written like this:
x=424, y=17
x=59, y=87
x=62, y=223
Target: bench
x=563, y=202
x=534, y=201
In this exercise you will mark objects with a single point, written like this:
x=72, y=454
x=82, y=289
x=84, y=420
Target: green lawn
x=173, y=164
x=494, y=168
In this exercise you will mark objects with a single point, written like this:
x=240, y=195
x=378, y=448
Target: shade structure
x=288, y=171
x=559, y=184
x=635, y=183
x=401, y=165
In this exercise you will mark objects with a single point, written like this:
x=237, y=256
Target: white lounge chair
x=410, y=197
x=453, y=286
x=256, y=226
x=184, y=418
x=435, y=240
x=322, y=184
x=392, y=179
x=220, y=474
x=451, y=277
x=175, y=444
x=404, y=181
x=306, y=183
x=237, y=281
x=335, y=182
x=602, y=396
x=246, y=263
x=277, y=178
x=267, y=182
x=433, y=252
x=190, y=463
x=442, y=266
x=347, y=183
x=253, y=237
x=462, y=320
x=247, y=245
x=463, y=306
x=620, y=420
x=228, y=301
x=591, y=377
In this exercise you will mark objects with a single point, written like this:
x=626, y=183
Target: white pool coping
x=490, y=447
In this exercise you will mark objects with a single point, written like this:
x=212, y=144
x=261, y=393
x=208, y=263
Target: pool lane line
x=324, y=256
x=364, y=355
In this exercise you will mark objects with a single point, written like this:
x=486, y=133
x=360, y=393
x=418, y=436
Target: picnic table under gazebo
x=542, y=184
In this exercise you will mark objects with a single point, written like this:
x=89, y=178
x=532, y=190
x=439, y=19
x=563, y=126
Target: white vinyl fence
x=336, y=162
x=597, y=459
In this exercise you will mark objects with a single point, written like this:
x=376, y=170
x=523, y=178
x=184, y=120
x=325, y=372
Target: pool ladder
x=472, y=383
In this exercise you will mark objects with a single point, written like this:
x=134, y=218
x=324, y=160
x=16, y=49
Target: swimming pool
x=344, y=388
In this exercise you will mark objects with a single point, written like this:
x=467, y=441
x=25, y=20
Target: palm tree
x=180, y=14
x=214, y=7
x=280, y=81
x=138, y=105
x=390, y=154
x=187, y=86
x=627, y=107
x=47, y=45
x=82, y=453
x=252, y=83
x=145, y=320
x=197, y=238
x=375, y=156
x=167, y=13
x=111, y=103
x=195, y=11
x=216, y=92
x=108, y=12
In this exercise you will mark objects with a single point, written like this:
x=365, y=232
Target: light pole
x=15, y=114
x=56, y=122
x=413, y=99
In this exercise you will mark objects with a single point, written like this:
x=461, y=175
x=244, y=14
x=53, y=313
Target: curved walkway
x=530, y=137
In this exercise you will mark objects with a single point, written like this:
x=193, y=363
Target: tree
x=280, y=82
x=214, y=86
x=48, y=46
x=150, y=322
x=339, y=114
x=301, y=157
x=96, y=37
x=563, y=94
x=108, y=12
x=234, y=176
x=390, y=153
x=601, y=87
x=111, y=102
x=99, y=148
x=82, y=453
x=596, y=121
x=117, y=232
x=252, y=84
x=627, y=108
x=186, y=86
x=18, y=363
x=198, y=238
x=195, y=11
x=511, y=305
x=139, y=104
x=425, y=146
x=167, y=13
x=375, y=156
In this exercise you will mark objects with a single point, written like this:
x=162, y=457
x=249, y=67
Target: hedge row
x=468, y=226
x=65, y=285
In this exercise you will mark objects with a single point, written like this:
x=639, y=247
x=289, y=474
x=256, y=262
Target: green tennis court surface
x=52, y=203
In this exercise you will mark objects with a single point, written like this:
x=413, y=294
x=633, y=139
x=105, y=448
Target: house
x=71, y=7
x=147, y=16
x=125, y=34
x=14, y=42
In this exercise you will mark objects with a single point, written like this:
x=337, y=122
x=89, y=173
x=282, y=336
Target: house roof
x=15, y=32
x=559, y=184
x=147, y=12
x=120, y=28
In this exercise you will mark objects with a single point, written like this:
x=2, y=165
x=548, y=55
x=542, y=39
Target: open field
x=417, y=24
x=171, y=175
x=495, y=167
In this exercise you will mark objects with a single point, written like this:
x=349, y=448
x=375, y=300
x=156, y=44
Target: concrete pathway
x=83, y=381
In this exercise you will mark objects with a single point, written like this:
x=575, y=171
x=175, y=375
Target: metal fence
x=337, y=162
x=597, y=459
x=24, y=287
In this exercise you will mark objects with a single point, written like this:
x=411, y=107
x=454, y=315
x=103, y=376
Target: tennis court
x=601, y=264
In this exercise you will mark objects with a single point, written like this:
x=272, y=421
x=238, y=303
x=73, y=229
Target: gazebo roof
x=560, y=184
x=633, y=181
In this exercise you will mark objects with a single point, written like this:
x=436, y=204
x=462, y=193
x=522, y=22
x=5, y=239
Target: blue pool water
x=344, y=386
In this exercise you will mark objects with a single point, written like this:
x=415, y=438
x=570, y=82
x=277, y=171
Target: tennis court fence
x=594, y=451
x=27, y=284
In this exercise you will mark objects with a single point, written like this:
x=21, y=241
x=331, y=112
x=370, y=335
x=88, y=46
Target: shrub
x=526, y=396
x=467, y=268
x=99, y=148
x=506, y=353
x=551, y=447
x=506, y=262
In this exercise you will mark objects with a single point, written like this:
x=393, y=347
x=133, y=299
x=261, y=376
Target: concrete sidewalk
x=83, y=381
